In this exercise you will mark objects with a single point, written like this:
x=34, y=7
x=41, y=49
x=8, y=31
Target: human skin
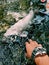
x=40, y=60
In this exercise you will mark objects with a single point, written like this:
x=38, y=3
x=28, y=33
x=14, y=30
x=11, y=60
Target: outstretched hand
x=30, y=46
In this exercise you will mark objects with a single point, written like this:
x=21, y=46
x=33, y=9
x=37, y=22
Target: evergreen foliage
x=12, y=51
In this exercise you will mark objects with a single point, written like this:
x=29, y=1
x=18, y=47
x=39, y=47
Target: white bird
x=22, y=24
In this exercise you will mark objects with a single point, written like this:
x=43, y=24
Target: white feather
x=20, y=25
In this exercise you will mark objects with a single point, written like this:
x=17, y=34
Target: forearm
x=44, y=60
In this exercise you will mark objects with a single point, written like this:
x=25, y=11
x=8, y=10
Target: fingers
x=39, y=45
x=26, y=55
x=27, y=46
x=30, y=40
x=30, y=46
x=33, y=43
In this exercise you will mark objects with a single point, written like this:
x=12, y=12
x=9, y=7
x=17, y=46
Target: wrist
x=38, y=51
x=41, y=60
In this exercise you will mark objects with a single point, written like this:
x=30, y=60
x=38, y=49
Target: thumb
x=26, y=54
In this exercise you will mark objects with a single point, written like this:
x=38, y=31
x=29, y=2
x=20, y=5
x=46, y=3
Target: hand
x=30, y=46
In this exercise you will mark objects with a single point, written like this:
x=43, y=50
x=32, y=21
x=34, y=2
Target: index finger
x=33, y=42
